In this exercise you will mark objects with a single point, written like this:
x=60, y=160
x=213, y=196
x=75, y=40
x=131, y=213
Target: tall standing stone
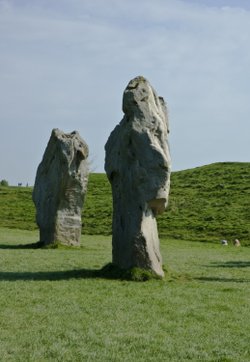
x=60, y=187
x=138, y=167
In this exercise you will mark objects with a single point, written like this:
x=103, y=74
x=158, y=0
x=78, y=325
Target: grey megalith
x=138, y=167
x=60, y=187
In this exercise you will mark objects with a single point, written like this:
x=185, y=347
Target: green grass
x=16, y=208
x=55, y=305
x=207, y=203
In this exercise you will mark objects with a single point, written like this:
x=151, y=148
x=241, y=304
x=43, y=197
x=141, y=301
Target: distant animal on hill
x=224, y=242
x=236, y=242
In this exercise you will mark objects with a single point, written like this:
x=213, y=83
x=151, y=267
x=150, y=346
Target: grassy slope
x=206, y=204
x=209, y=203
x=53, y=308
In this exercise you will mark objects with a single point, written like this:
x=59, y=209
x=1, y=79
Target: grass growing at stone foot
x=111, y=271
x=55, y=307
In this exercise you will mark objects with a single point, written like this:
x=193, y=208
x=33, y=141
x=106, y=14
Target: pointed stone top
x=140, y=99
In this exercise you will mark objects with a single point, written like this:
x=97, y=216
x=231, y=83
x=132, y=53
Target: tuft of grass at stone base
x=111, y=271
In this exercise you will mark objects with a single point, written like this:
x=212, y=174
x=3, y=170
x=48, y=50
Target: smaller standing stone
x=60, y=188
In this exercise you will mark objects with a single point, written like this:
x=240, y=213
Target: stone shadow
x=21, y=246
x=231, y=264
x=108, y=271
x=223, y=280
x=227, y=264
x=51, y=275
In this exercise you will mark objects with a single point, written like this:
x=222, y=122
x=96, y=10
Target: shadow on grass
x=52, y=275
x=231, y=264
x=223, y=280
x=21, y=246
x=38, y=245
x=109, y=271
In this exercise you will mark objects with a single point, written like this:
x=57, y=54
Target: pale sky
x=65, y=64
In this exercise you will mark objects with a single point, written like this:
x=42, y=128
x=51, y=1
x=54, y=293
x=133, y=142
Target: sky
x=65, y=64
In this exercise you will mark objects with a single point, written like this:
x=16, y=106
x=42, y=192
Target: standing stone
x=138, y=167
x=60, y=187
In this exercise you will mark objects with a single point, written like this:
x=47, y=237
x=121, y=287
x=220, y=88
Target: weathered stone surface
x=138, y=167
x=60, y=187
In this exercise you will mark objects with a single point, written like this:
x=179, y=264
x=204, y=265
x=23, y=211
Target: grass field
x=207, y=203
x=55, y=306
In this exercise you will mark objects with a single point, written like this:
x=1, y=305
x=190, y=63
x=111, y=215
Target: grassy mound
x=207, y=203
